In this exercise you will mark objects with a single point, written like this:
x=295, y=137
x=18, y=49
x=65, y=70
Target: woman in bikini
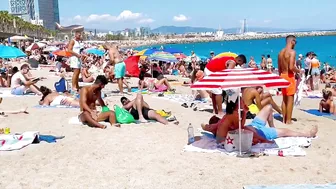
x=50, y=98
x=86, y=76
x=326, y=104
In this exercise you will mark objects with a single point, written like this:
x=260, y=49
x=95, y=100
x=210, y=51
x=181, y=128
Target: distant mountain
x=188, y=29
x=181, y=30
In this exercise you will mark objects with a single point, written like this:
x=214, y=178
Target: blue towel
x=49, y=138
x=40, y=106
x=318, y=113
x=135, y=90
x=300, y=186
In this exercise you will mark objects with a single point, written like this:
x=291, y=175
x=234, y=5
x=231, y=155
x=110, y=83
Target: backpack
x=61, y=85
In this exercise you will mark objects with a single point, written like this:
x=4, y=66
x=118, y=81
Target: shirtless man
x=145, y=113
x=287, y=69
x=119, y=65
x=88, y=97
x=75, y=61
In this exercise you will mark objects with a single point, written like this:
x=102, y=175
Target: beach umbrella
x=162, y=56
x=147, y=52
x=35, y=46
x=237, y=79
x=62, y=53
x=95, y=52
x=172, y=50
x=180, y=55
x=11, y=52
x=227, y=54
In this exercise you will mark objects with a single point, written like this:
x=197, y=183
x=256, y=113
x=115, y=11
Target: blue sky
x=287, y=14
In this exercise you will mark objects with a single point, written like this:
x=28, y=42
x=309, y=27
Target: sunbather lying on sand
x=50, y=98
x=161, y=83
x=145, y=113
x=88, y=97
x=262, y=133
x=326, y=104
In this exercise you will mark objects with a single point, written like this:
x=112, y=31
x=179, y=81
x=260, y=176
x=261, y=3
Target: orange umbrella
x=62, y=53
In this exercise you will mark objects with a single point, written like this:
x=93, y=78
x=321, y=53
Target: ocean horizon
x=323, y=46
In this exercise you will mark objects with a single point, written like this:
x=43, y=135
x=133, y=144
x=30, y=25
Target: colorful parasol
x=227, y=54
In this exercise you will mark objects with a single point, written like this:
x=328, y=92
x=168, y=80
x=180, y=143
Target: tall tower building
x=49, y=13
x=22, y=8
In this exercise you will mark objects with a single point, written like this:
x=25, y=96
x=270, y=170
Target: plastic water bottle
x=191, y=137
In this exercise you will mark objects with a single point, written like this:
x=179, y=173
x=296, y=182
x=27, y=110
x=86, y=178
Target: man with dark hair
x=88, y=97
x=287, y=70
x=240, y=61
x=141, y=111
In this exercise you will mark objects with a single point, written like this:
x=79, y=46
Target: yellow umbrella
x=142, y=57
x=229, y=54
x=101, y=47
x=140, y=53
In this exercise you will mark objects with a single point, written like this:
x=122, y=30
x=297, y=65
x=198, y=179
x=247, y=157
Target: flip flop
x=184, y=105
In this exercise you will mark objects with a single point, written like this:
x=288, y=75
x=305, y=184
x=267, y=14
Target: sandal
x=184, y=105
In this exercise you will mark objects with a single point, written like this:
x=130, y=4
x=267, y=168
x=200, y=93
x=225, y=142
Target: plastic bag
x=123, y=116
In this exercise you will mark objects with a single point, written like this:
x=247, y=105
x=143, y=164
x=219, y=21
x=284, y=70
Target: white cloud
x=267, y=21
x=180, y=18
x=146, y=21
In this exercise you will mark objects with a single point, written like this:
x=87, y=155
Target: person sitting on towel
x=263, y=133
x=326, y=104
x=160, y=83
x=145, y=113
x=88, y=97
x=255, y=99
x=50, y=98
x=21, y=85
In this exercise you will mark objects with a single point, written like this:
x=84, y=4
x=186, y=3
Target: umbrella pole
x=240, y=130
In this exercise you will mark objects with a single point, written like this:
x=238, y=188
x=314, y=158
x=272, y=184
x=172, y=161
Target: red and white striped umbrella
x=240, y=77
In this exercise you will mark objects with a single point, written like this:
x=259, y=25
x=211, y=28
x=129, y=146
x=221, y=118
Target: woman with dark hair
x=50, y=98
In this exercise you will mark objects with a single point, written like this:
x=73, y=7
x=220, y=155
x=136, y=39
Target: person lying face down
x=141, y=111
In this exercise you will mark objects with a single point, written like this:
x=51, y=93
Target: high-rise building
x=49, y=13
x=22, y=8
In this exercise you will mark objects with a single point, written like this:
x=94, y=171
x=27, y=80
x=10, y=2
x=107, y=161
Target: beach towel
x=60, y=106
x=291, y=146
x=17, y=142
x=7, y=93
x=320, y=114
x=75, y=121
x=295, y=186
x=180, y=98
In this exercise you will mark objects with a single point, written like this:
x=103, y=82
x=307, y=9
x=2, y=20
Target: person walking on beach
x=287, y=69
x=269, y=63
x=75, y=61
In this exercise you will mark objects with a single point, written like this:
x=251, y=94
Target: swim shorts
x=253, y=109
x=315, y=71
x=75, y=62
x=145, y=112
x=291, y=89
x=19, y=90
x=268, y=133
x=213, y=91
x=120, y=70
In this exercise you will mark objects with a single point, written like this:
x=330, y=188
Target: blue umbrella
x=11, y=52
x=95, y=52
x=172, y=50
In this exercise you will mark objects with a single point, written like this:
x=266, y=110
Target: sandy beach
x=149, y=155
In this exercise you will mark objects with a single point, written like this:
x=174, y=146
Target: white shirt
x=307, y=63
x=17, y=80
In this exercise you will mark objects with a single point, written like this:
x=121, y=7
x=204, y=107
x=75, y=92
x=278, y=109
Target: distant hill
x=181, y=30
x=188, y=29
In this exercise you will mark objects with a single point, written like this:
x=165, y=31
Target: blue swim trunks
x=269, y=133
x=120, y=70
x=19, y=91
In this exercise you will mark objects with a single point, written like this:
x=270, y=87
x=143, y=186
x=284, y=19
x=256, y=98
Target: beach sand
x=149, y=155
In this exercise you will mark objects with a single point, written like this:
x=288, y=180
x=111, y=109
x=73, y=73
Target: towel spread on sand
x=180, y=98
x=289, y=145
x=7, y=93
x=17, y=142
x=75, y=121
x=320, y=114
x=59, y=106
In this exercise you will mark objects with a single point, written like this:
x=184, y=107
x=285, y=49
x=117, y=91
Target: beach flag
x=132, y=67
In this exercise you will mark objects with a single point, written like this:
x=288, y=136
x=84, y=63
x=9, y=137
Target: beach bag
x=123, y=116
x=60, y=86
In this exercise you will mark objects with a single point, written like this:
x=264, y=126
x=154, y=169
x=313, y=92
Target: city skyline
x=103, y=14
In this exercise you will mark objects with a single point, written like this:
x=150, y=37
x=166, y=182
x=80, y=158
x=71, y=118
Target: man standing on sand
x=88, y=97
x=119, y=66
x=269, y=63
x=287, y=70
x=75, y=61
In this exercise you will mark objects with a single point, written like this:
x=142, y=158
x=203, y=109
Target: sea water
x=323, y=46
